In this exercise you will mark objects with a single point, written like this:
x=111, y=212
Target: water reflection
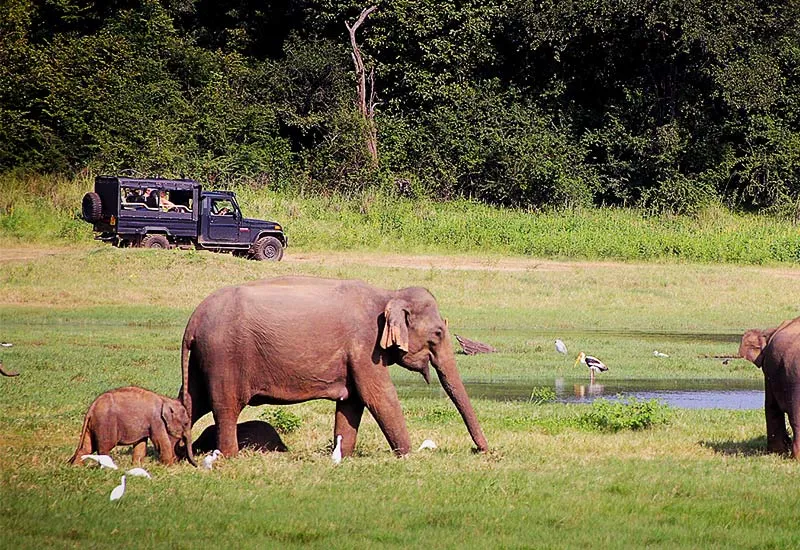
x=687, y=394
x=583, y=390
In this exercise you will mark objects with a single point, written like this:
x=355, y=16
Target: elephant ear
x=170, y=414
x=753, y=343
x=395, y=329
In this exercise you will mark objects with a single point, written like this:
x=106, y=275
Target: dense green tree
x=663, y=104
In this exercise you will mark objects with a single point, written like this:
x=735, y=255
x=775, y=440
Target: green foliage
x=282, y=419
x=542, y=394
x=624, y=414
x=665, y=106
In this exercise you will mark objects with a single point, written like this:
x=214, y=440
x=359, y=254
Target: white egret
x=118, y=491
x=561, y=347
x=594, y=364
x=427, y=444
x=657, y=353
x=105, y=461
x=6, y=344
x=139, y=472
x=209, y=459
x=336, y=456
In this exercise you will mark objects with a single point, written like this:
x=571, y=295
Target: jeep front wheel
x=268, y=248
x=155, y=241
x=92, y=207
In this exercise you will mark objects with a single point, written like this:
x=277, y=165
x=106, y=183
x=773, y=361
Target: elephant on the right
x=777, y=352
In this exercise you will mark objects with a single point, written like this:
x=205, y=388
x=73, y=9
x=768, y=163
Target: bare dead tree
x=366, y=108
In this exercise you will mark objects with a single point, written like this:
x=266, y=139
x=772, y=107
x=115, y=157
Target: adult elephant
x=777, y=352
x=293, y=339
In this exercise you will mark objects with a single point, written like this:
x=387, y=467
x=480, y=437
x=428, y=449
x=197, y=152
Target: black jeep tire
x=92, y=207
x=155, y=241
x=268, y=248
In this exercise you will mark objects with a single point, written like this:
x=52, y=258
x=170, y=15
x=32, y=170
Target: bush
x=283, y=420
x=624, y=414
x=542, y=394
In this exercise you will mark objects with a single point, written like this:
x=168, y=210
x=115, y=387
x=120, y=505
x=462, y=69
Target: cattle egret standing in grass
x=427, y=444
x=560, y=347
x=105, y=461
x=118, y=491
x=139, y=472
x=657, y=353
x=594, y=364
x=208, y=461
x=336, y=456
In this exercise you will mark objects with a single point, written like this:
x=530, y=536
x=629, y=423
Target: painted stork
x=594, y=364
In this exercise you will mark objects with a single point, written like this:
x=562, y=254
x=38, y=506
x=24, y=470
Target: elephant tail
x=188, y=340
x=85, y=440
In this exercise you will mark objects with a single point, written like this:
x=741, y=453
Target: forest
x=662, y=105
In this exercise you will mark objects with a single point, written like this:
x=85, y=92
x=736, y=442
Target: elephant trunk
x=187, y=440
x=445, y=364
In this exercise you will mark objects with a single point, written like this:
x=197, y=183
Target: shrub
x=624, y=414
x=283, y=420
x=542, y=394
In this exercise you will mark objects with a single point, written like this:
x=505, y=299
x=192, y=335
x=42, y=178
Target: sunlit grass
x=87, y=319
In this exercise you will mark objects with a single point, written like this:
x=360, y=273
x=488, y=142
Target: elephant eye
x=438, y=333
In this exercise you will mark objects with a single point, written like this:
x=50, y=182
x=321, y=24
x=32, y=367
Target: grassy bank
x=81, y=324
x=45, y=210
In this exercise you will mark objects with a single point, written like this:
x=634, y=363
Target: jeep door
x=223, y=221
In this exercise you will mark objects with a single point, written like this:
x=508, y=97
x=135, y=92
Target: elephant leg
x=348, y=418
x=794, y=420
x=225, y=419
x=380, y=396
x=164, y=446
x=139, y=451
x=777, y=438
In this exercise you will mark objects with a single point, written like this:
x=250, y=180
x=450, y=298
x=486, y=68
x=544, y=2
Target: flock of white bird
x=107, y=462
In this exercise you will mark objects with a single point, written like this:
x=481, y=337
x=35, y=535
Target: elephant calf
x=131, y=415
x=777, y=352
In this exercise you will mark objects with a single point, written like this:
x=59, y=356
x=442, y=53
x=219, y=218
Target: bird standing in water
x=594, y=364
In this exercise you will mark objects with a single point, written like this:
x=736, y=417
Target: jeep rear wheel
x=155, y=241
x=92, y=207
x=268, y=248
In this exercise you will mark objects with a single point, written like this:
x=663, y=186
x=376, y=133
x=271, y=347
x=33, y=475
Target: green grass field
x=88, y=318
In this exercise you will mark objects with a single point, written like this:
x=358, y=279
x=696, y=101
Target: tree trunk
x=366, y=108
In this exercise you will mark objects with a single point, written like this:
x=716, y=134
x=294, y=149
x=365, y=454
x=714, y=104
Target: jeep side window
x=221, y=207
x=133, y=194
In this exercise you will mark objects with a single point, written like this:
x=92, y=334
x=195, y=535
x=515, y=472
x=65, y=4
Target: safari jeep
x=165, y=213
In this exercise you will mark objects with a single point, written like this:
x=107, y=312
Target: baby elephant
x=131, y=415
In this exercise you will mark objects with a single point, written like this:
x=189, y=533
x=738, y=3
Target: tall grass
x=46, y=209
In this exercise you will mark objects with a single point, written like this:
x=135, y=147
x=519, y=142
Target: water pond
x=686, y=394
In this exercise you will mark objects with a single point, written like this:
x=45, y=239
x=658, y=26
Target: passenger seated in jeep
x=134, y=195
x=166, y=204
x=152, y=198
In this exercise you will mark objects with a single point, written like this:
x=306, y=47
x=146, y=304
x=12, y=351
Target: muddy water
x=687, y=394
